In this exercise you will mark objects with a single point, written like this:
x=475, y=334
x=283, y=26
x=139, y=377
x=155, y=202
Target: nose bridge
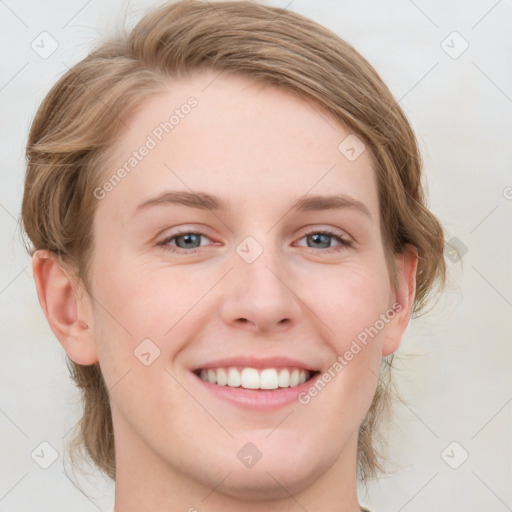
x=259, y=263
x=258, y=290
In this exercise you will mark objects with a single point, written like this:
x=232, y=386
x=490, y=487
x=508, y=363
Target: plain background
x=454, y=370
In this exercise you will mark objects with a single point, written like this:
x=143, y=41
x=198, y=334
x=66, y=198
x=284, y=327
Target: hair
x=83, y=114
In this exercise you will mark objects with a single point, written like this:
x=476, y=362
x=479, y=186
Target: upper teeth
x=251, y=378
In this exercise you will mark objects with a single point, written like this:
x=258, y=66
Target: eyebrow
x=205, y=201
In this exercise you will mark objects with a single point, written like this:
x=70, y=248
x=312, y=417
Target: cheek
x=147, y=314
x=146, y=301
x=133, y=312
x=349, y=300
x=353, y=303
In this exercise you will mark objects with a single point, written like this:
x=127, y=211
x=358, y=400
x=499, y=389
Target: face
x=259, y=283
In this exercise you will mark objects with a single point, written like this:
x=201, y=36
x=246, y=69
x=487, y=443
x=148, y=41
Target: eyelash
x=344, y=244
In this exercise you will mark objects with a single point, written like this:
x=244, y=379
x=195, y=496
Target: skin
x=259, y=148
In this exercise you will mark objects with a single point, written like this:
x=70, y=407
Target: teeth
x=269, y=379
x=294, y=378
x=234, y=379
x=222, y=377
x=251, y=378
x=284, y=378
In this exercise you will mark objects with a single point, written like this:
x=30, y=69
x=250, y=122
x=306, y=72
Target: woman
x=229, y=238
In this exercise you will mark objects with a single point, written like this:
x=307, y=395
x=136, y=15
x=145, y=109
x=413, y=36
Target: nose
x=259, y=295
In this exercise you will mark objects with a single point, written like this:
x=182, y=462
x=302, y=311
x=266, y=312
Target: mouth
x=256, y=379
x=262, y=384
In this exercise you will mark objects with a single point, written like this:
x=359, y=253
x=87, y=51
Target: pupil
x=318, y=238
x=188, y=239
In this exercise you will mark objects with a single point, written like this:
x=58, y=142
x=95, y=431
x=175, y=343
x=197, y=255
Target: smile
x=252, y=378
x=256, y=383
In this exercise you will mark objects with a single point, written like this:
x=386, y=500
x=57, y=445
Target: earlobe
x=407, y=264
x=68, y=315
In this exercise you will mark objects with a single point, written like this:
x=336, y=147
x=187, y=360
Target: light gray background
x=455, y=368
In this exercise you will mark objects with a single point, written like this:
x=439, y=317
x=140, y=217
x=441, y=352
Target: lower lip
x=262, y=400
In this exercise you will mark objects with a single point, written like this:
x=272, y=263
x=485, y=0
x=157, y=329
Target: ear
x=407, y=264
x=68, y=313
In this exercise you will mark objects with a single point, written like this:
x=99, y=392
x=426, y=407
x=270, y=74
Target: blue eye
x=185, y=240
x=322, y=239
x=190, y=241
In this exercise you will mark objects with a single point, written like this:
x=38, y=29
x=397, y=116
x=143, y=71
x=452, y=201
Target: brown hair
x=80, y=118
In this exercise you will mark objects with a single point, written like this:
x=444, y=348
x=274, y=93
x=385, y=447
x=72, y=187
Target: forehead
x=246, y=141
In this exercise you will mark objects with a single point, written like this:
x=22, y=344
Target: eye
x=185, y=240
x=323, y=239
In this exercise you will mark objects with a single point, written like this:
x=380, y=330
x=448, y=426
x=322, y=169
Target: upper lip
x=255, y=362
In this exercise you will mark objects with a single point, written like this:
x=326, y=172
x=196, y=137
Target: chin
x=284, y=468
x=269, y=482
